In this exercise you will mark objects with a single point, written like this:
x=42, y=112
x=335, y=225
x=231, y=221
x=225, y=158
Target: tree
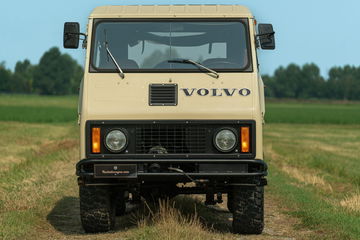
x=296, y=82
x=356, y=88
x=269, y=86
x=22, y=81
x=333, y=88
x=287, y=82
x=344, y=83
x=56, y=74
x=76, y=79
x=312, y=84
x=5, y=78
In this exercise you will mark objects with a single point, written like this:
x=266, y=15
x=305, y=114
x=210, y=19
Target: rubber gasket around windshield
x=248, y=68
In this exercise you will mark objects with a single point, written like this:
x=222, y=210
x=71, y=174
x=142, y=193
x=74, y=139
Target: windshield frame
x=245, y=21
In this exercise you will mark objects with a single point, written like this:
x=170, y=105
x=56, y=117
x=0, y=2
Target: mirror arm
x=79, y=34
x=265, y=34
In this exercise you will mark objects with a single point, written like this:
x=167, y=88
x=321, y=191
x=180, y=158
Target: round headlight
x=225, y=140
x=116, y=141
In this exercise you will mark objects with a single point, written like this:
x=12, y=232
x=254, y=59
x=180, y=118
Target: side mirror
x=71, y=35
x=266, y=36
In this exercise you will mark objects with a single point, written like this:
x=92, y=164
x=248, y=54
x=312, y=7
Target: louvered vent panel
x=163, y=95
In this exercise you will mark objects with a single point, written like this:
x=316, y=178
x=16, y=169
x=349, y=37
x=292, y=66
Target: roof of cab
x=171, y=11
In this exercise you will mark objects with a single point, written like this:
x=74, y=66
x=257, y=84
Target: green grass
x=38, y=101
x=331, y=221
x=311, y=113
x=37, y=114
x=31, y=177
x=38, y=109
x=313, y=168
x=331, y=149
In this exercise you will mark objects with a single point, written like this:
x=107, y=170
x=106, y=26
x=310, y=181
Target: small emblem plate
x=115, y=170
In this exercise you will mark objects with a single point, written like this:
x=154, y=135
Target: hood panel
x=110, y=97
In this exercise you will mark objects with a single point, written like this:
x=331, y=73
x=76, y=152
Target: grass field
x=314, y=170
x=312, y=113
x=34, y=109
x=314, y=175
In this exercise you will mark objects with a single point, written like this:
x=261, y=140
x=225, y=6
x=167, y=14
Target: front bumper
x=160, y=170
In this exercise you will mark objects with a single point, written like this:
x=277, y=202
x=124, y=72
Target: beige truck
x=171, y=95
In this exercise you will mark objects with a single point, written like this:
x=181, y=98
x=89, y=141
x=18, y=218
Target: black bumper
x=141, y=169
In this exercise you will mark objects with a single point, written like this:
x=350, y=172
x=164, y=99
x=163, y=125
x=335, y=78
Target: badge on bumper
x=115, y=170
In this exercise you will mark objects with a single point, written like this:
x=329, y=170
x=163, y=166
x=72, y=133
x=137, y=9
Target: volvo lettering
x=215, y=92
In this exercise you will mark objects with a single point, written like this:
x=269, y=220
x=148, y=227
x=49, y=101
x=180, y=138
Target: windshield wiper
x=121, y=73
x=188, y=61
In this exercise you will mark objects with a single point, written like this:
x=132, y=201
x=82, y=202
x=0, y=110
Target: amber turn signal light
x=95, y=133
x=245, y=139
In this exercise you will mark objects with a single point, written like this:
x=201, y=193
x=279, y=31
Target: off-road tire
x=248, y=212
x=97, y=209
x=230, y=202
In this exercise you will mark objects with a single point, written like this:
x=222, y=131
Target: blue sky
x=326, y=32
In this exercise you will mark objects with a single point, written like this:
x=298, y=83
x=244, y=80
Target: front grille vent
x=170, y=139
x=163, y=95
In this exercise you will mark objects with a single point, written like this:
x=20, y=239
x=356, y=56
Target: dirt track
x=63, y=223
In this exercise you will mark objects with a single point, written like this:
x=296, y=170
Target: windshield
x=141, y=46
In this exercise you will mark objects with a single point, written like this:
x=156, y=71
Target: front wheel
x=248, y=210
x=97, y=209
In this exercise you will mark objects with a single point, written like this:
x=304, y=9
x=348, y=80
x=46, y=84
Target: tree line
x=305, y=82
x=60, y=74
x=56, y=74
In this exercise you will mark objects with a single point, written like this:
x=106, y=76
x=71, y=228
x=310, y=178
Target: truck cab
x=171, y=103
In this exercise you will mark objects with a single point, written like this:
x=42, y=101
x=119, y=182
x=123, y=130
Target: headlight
x=115, y=141
x=225, y=140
